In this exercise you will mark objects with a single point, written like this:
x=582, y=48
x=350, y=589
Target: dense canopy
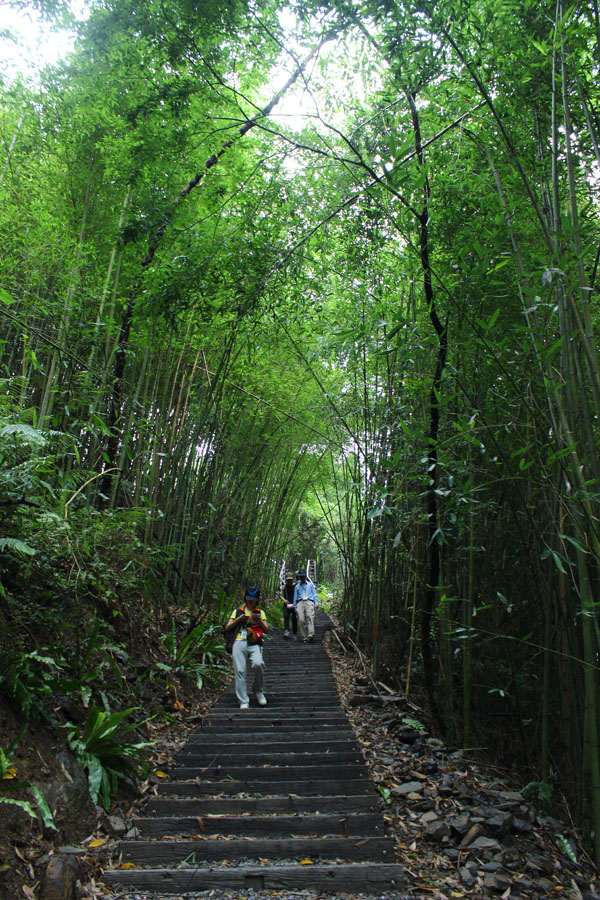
x=282, y=280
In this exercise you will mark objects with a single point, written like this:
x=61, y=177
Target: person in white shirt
x=305, y=603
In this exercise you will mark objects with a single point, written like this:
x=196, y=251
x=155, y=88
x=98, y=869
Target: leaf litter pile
x=461, y=831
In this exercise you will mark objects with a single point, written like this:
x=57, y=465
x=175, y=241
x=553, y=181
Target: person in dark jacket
x=289, y=613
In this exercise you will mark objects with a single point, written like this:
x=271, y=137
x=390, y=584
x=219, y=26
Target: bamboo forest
x=313, y=279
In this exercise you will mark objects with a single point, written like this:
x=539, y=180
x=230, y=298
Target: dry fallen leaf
x=160, y=774
x=66, y=774
x=97, y=843
x=129, y=865
x=576, y=893
x=28, y=893
x=307, y=862
x=471, y=834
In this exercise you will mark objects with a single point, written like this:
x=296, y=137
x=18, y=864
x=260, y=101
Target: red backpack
x=255, y=632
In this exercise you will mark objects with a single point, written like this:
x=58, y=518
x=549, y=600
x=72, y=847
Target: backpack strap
x=232, y=635
x=240, y=612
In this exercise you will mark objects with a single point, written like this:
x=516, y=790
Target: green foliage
x=566, y=848
x=413, y=723
x=275, y=615
x=24, y=469
x=104, y=749
x=540, y=793
x=222, y=605
x=77, y=668
x=16, y=546
x=22, y=480
x=87, y=660
x=8, y=783
x=326, y=598
x=197, y=654
x=89, y=561
x=385, y=793
x=281, y=394
x=27, y=678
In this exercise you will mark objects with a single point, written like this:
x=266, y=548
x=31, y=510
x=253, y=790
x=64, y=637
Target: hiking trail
x=275, y=797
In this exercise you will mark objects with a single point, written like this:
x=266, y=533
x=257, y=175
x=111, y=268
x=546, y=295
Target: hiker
x=250, y=624
x=289, y=612
x=305, y=603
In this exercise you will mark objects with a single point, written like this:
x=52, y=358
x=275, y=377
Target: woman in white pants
x=250, y=623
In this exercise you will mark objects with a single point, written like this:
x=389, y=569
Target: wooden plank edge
x=353, y=877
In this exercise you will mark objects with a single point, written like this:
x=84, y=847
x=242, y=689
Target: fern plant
x=197, y=654
x=16, y=546
x=540, y=793
x=104, y=749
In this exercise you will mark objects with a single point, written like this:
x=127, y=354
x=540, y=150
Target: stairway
x=268, y=798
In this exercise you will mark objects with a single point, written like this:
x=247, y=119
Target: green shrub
x=540, y=793
x=26, y=678
x=105, y=751
x=86, y=661
x=197, y=654
x=275, y=615
x=326, y=598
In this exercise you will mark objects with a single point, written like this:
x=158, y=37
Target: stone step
x=263, y=744
x=282, y=788
x=277, y=727
x=259, y=775
x=283, y=706
x=277, y=706
x=207, y=757
x=366, y=877
x=263, y=714
x=175, y=806
x=248, y=721
x=277, y=689
x=167, y=852
x=364, y=824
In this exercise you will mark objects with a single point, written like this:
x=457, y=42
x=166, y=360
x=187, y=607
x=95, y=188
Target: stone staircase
x=267, y=798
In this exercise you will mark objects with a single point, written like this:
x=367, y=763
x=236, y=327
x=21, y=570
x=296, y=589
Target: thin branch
x=214, y=159
x=23, y=501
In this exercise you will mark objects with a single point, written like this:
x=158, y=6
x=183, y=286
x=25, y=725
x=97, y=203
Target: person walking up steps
x=250, y=623
x=305, y=603
x=289, y=612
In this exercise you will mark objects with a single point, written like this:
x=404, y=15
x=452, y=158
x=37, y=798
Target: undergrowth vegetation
x=90, y=640
x=106, y=751
x=10, y=785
